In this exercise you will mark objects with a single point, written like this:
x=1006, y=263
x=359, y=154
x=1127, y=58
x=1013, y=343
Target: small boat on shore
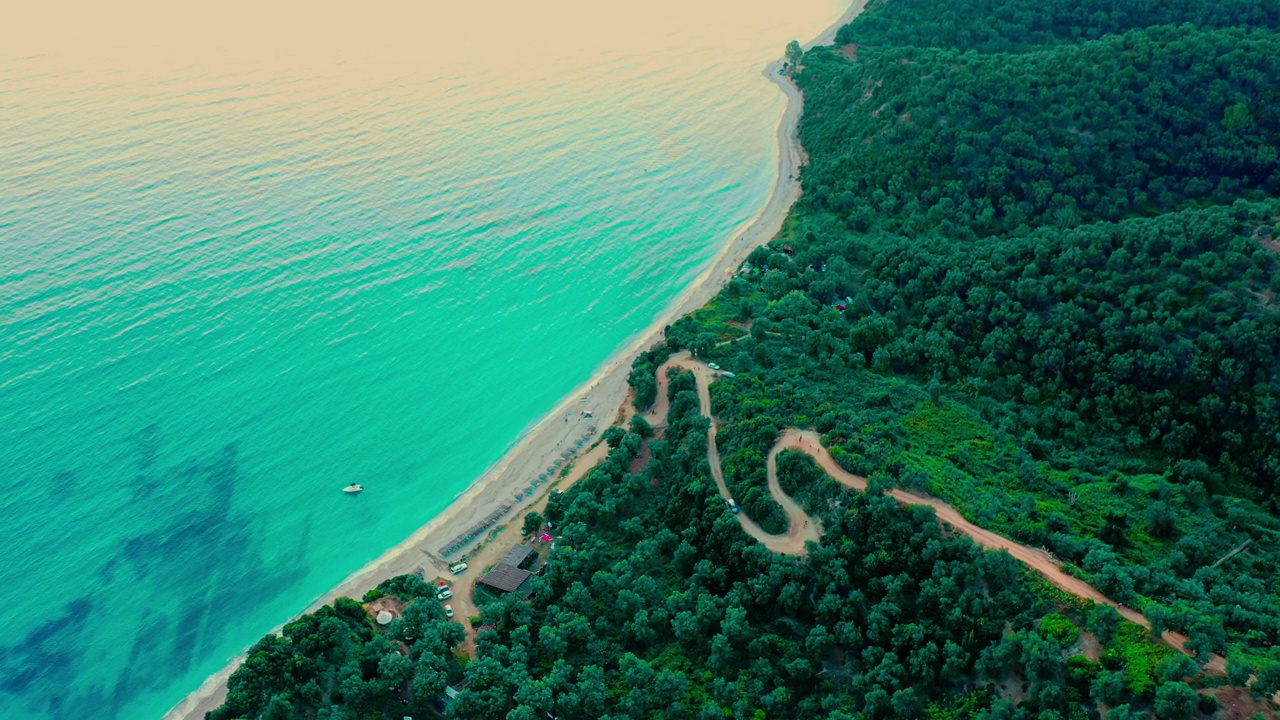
x=353, y=489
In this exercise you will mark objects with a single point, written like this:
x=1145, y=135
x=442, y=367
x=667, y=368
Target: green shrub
x=532, y=522
x=1176, y=701
x=405, y=587
x=1176, y=667
x=1059, y=629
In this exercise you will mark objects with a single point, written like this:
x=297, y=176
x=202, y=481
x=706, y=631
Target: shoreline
x=604, y=393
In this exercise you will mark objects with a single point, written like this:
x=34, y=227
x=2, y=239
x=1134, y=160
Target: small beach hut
x=506, y=578
x=516, y=555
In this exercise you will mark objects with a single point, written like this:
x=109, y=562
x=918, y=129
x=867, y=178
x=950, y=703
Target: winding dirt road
x=802, y=528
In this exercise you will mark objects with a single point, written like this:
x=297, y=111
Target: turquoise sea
x=236, y=276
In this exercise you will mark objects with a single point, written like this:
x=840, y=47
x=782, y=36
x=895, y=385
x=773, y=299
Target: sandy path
x=604, y=393
x=1037, y=560
x=810, y=443
x=801, y=527
x=807, y=528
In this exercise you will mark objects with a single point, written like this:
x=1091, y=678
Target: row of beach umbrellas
x=475, y=531
x=462, y=540
x=551, y=471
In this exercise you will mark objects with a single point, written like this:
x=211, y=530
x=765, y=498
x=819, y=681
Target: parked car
x=444, y=594
x=713, y=366
x=457, y=567
x=448, y=611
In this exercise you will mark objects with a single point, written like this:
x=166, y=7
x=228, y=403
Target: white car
x=448, y=611
x=713, y=366
x=444, y=594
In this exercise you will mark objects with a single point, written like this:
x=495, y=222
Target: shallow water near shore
x=245, y=264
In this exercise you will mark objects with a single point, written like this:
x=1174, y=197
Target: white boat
x=353, y=489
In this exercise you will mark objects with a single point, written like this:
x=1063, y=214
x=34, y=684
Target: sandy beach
x=604, y=394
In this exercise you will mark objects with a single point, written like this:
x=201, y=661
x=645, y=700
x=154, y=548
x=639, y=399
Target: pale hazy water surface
x=241, y=268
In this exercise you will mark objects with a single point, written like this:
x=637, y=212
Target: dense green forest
x=1001, y=26
x=1033, y=272
x=970, y=145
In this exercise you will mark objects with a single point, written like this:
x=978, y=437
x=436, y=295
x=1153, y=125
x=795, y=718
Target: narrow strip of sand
x=544, y=441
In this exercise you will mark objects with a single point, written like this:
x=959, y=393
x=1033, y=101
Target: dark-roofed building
x=507, y=578
x=516, y=555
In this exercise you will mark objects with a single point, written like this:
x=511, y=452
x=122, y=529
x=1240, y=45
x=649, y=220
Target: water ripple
x=229, y=287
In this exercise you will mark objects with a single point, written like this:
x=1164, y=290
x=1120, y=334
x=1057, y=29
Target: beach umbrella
x=384, y=618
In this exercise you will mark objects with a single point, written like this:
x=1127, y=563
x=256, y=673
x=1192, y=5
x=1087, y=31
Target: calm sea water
x=240, y=271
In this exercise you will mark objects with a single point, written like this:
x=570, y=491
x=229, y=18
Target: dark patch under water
x=39, y=670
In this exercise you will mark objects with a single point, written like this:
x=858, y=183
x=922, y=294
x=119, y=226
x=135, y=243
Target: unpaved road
x=803, y=528
x=1037, y=560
